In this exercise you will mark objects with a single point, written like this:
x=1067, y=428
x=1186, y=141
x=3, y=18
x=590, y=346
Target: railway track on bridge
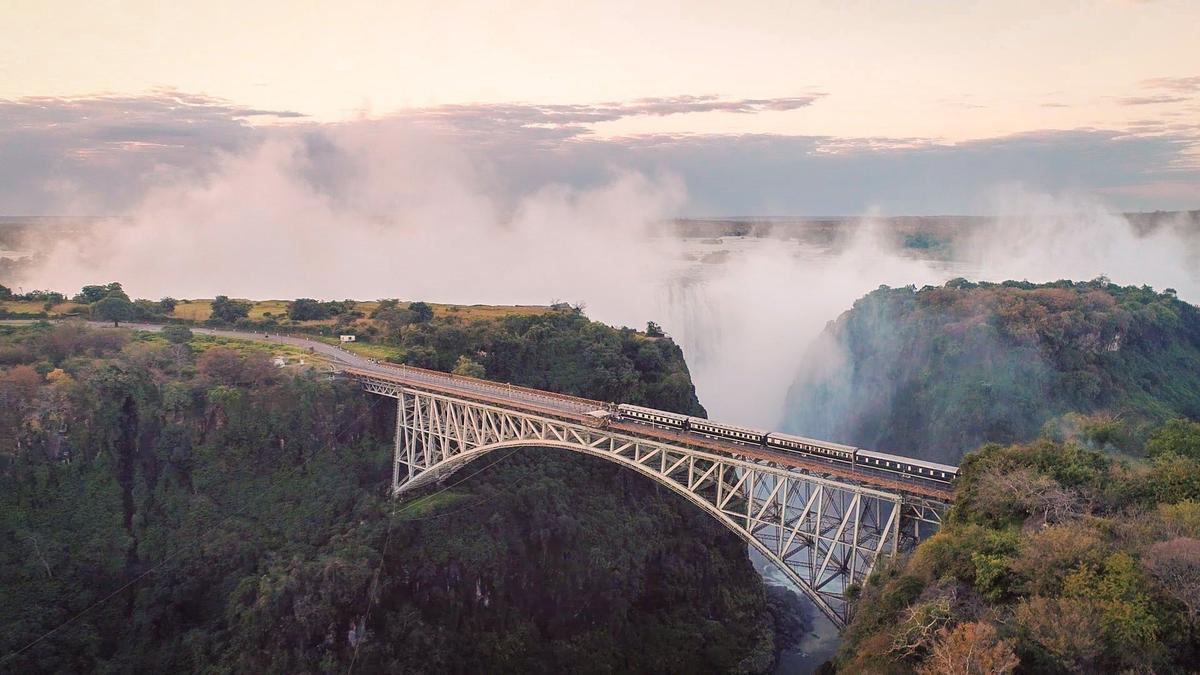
x=576, y=409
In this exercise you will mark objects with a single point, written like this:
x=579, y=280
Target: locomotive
x=906, y=467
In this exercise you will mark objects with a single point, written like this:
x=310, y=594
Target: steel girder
x=824, y=535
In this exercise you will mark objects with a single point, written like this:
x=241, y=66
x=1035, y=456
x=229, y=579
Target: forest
x=175, y=502
x=939, y=371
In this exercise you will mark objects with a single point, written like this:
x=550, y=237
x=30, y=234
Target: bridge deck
x=575, y=409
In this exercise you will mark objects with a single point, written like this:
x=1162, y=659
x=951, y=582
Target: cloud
x=820, y=175
x=1152, y=100
x=104, y=155
x=1181, y=84
x=99, y=154
x=558, y=121
x=1171, y=90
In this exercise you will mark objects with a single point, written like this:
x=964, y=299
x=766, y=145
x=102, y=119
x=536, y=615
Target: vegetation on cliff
x=1056, y=557
x=1074, y=541
x=939, y=371
x=183, y=504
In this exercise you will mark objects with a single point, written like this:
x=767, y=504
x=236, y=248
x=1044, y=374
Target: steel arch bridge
x=824, y=534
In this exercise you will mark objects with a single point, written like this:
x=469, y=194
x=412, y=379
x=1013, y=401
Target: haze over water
x=746, y=316
x=743, y=308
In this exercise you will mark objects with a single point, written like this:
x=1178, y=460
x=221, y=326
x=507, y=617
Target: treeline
x=246, y=507
x=938, y=371
x=107, y=302
x=1057, y=556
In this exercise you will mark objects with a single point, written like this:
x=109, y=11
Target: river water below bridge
x=821, y=638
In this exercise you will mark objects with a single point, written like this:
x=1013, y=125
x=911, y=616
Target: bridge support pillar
x=398, y=446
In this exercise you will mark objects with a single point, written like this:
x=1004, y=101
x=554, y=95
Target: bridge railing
x=498, y=396
x=465, y=380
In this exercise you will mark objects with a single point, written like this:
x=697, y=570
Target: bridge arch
x=444, y=470
x=824, y=534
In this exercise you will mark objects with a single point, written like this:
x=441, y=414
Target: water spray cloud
x=383, y=211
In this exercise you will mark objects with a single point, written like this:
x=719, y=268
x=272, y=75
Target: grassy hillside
x=938, y=371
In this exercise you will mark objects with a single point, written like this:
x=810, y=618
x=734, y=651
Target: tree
x=167, y=305
x=654, y=330
x=306, y=309
x=18, y=386
x=5, y=292
x=1179, y=436
x=383, y=306
x=422, y=313
x=1004, y=492
x=469, y=368
x=394, y=319
x=116, y=308
x=177, y=334
x=95, y=293
x=1067, y=628
x=229, y=311
x=90, y=294
x=970, y=649
x=230, y=367
x=1176, y=565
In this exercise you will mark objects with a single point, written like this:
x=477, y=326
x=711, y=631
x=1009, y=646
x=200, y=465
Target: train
x=905, y=467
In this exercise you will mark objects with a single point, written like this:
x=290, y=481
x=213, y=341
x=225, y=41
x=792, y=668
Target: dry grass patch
x=485, y=312
x=37, y=307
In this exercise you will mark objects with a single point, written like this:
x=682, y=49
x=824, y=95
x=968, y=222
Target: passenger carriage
x=906, y=467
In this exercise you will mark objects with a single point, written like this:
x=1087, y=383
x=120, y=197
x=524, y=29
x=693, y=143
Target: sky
x=757, y=108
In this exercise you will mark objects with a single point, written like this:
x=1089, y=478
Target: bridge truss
x=824, y=535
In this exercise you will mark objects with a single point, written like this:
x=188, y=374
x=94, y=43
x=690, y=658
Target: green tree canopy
x=466, y=366
x=115, y=308
x=306, y=309
x=1179, y=436
x=422, y=312
x=229, y=311
x=96, y=293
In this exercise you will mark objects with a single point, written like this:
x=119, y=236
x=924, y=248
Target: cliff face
x=254, y=501
x=1075, y=547
x=936, y=372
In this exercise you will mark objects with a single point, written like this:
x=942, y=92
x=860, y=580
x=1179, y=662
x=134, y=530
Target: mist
x=365, y=213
